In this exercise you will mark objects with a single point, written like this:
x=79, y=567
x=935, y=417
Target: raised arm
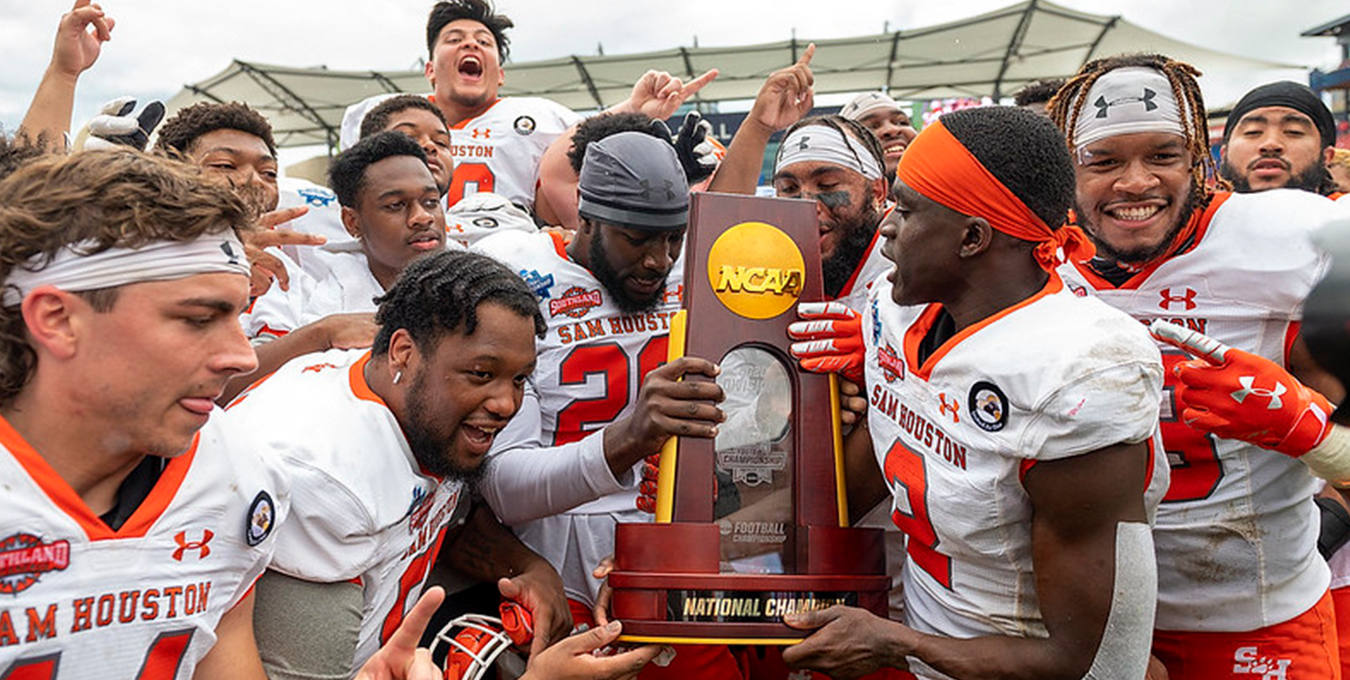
x=79, y=39
x=785, y=98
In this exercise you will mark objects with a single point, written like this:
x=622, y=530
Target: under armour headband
x=827, y=145
x=1125, y=101
x=73, y=269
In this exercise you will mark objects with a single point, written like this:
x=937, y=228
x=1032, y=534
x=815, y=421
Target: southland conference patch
x=988, y=406
x=262, y=516
x=24, y=558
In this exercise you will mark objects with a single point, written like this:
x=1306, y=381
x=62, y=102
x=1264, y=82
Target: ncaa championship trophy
x=752, y=525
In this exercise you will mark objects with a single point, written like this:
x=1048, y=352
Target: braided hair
x=1067, y=105
x=440, y=294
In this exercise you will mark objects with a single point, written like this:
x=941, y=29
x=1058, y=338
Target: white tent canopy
x=991, y=54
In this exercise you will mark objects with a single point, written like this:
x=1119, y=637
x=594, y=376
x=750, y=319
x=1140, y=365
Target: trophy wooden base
x=668, y=586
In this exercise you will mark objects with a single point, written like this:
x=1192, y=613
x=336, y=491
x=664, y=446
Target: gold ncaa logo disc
x=756, y=270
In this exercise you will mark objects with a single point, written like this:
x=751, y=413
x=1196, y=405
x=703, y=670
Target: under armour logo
x=1103, y=105
x=646, y=192
x=485, y=132
x=801, y=146
x=185, y=545
x=1247, y=382
x=1168, y=298
x=953, y=408
x=229, y=252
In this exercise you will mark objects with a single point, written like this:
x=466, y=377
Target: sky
x=160, y=45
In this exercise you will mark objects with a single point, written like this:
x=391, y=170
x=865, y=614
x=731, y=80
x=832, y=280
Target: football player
x=1012, y=421
x=1236, y=267
x=382, y=446
x=564, y=471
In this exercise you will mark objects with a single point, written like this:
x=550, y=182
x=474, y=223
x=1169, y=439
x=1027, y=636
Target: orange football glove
x=1238, y=395
x=517, y=622
x=646, y=500
x=829, y=340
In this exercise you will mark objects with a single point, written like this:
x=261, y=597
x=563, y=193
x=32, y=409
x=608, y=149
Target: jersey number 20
x=608, y=360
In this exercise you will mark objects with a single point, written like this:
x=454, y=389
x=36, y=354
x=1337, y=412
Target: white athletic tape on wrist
x=827, y=145
x=1330, y=460
x=1123, y=651
x=72, y=269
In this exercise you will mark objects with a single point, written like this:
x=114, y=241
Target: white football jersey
x=590, y=366
x=363, y=509
x=324, y=219
x=499, y=151
x=79, y=600
x=1237, y=532
x=347, y=286
x=1053, y=377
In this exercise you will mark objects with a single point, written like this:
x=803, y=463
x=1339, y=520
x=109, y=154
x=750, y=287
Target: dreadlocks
x=1066, y=106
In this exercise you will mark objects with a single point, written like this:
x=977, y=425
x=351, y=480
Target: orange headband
x=938, y=166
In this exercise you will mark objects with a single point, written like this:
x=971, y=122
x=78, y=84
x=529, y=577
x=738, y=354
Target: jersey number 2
x=906, y=468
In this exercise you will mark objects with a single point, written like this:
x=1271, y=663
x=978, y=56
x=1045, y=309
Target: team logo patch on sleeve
x=575, y=302
x=25, y=557
x=539, y=283
x=524, y=125
x=260, y=520
x=988, y=406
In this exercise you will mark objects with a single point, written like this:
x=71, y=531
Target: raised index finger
x=698, y=83
x=1192, y=342
x=810, y=52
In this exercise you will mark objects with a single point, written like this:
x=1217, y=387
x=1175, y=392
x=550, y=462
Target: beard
x=839, y=267
x=610, y=278
x=1313, y=179
x=1142, y=254
x=430, y=446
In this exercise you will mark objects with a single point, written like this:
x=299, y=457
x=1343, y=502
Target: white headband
x=827, y=145
x=1127, y=100
x=73, y=270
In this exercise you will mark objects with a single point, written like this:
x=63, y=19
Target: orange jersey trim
x=915, y=334
x=357, y=378
x=65, y=497
x=559, y=245
x=1199, y=226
